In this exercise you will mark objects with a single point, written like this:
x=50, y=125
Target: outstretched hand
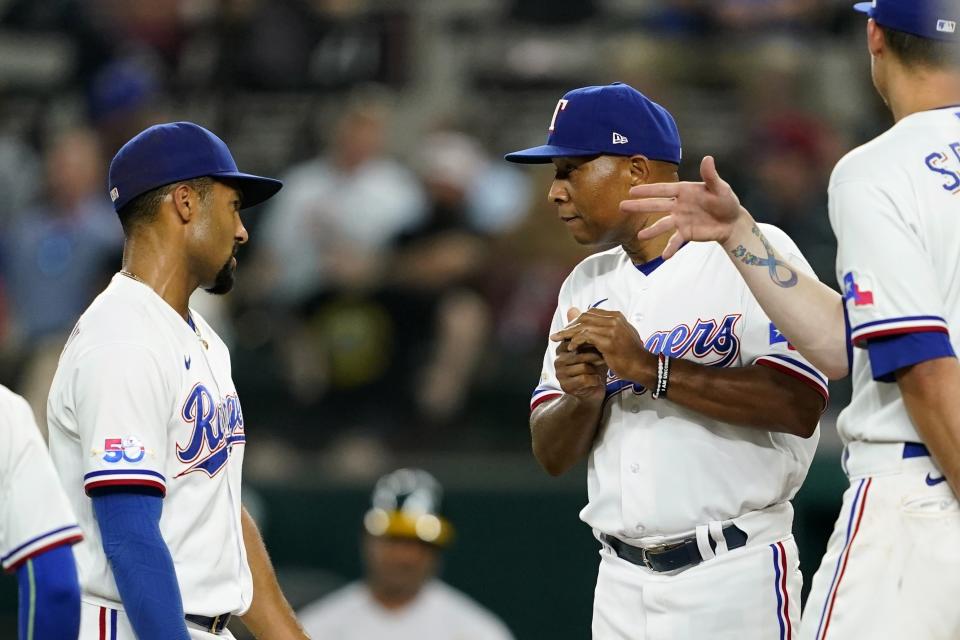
x=699, y=211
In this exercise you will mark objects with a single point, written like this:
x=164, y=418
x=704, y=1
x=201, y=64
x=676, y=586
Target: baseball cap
x=168, y=153
x=406, y=504
x=933, y=19
x=614, y=119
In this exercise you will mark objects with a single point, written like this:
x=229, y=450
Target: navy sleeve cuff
x=888, y=354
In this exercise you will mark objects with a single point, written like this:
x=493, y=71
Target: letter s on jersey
x=936, y=161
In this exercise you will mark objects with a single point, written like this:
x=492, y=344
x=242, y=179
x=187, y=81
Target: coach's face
x=397, y=568
x=587, y=193
x=218, y=235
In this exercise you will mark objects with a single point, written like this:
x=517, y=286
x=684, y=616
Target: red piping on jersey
x=74, y=539
x=863, y=338
x=786, y=594
x=843, y=569
x=536, y=403
x=799, y=376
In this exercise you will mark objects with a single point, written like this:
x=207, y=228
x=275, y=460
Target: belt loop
x=703, y=543
x=213, y=625
x=716, y=532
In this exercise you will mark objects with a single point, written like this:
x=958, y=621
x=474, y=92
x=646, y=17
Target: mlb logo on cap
x=614, y=119
x=933, y=19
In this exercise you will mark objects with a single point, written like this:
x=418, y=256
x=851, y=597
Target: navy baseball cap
x=933, y=19
x=614, y=119
x=168, y=153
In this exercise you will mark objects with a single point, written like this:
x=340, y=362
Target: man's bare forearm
x=806, y=311
x=931, y=394
x=752, y=396
x=563, y=431
x=270, y=616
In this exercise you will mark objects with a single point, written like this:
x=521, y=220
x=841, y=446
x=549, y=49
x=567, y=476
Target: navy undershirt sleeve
x=891, y=353
x=49, y=596
x=129, y=524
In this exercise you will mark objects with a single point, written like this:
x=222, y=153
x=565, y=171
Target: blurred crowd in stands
x=402, y=284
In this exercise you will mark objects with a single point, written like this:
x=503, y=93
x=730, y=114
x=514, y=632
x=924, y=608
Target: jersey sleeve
x=762, y=343
x=548, y=387
x=34, y=513
x=123, y=407
x=889, y=283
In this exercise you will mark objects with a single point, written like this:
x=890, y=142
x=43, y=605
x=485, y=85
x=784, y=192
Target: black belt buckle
x=673, y=556
x=656, y=550
x=214, y=624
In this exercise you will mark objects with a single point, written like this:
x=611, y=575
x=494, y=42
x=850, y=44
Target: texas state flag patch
x=856, y=288
x=776, y=337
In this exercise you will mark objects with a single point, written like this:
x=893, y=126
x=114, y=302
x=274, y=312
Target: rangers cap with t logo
x=933, y=19
x=177, y=151
x=613, y=119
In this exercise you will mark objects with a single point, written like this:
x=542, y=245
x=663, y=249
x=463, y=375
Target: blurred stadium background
x=393, y=303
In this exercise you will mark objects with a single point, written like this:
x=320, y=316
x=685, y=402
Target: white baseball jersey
x=891, y=566
x=142, y=399
x=657, y=469
x=34, y=513
x=895, y=208
x=439, y=612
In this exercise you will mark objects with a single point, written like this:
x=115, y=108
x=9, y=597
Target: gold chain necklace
x=193, y=325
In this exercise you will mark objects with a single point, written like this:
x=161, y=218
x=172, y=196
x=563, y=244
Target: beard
x=223, y=283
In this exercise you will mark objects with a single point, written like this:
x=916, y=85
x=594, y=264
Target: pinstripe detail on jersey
x=124, y=477
x=853, y=526
x=799, y=370
x=69, y=534
x=861, y=333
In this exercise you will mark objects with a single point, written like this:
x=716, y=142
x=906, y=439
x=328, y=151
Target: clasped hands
x=594, y=342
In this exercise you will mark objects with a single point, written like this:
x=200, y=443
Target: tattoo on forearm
x=776, y=267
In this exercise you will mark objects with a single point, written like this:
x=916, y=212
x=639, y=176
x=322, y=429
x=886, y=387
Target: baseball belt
x=674, y=556
x=214, y=624
x=915, y=450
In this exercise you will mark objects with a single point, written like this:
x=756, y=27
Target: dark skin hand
x=609, y=334
x=750, y=396
x=563, y=431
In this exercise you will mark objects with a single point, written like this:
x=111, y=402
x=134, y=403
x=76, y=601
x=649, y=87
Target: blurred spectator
x=56, y=252
x=337, y=213
x=440, y=266
x=791, y=157
x=760, y=15
x=57, y=255
x=20, y=178
x=400, y=597
x=123, y=101
x=295, y=44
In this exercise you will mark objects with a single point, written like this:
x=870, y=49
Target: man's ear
x=185, y=201
x=876, y=43
x=640, y=170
